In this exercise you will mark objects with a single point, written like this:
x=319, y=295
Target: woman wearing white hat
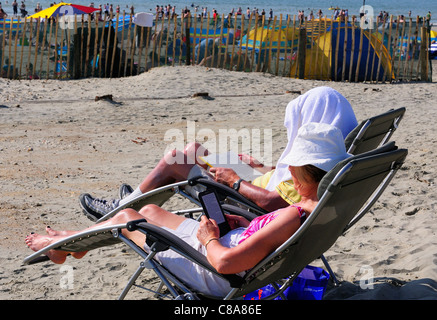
x=271, y=191
x=317, y=149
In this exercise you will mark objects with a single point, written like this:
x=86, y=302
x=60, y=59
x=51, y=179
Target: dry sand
x=57, y=142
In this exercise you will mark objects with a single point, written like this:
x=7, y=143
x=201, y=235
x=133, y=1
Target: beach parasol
x=63, y=9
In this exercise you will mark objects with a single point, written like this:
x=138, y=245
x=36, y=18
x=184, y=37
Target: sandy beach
x=57, y=142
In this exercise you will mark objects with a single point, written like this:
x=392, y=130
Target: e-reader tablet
x=212, y=208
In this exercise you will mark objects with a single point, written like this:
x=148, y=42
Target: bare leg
x=152, y=213
x=174, y=166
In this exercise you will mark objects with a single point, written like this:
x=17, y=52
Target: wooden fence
x=322, y=49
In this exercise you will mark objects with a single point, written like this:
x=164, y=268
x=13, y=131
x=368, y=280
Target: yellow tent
x=276, y=38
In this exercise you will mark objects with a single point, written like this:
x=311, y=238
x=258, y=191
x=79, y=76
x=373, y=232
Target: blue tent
x=333, y=58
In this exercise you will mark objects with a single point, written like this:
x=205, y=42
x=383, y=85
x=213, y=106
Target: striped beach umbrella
x=62, y=9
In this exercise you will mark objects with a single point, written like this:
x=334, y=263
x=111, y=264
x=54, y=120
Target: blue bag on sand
x=310, y=284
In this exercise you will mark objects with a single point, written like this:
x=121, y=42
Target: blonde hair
x=309, y=174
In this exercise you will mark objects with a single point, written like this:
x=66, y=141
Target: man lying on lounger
x=273, y=190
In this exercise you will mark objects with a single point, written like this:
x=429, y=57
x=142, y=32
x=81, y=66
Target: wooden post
x=254, y=43
x=187, y=37
x=381, y=54
x=2, y=45
x=166, y=41
x=207, y=38
x=211, y=61
x=61, y=45
x=105, y=67
x=292, y=45
x=286, y=46
x=68, y=51
x=96, y=43
x=401, y=49
x=406, y=61
x=395, y=45
x=413, y=52
x=345, y=40
x=220, y=43
x=241, y=46
x=360, y=54
x=38, y=24
x=15, y=51
x=309, y=25
x=267, y=66
x=146, y=51
x=352, y=52
x=154, y=40
x=30, y=47
x=88, y=47
x=258, y=63
x=337, y=45
x=423, y=55
x=193, y=54
x=128, y=46
x=102, y=39
x=231, y=59
x=77, y=51
x=374, y=57
x=247, y=42
x=389, y=64
x=10, y=46
x=140, y=48
x=302, y=52
x=278, y=55
x=175, y=22
x=418, y=48
x=133, y=45
x=316, y=63
x=81, y=44
x=120, y=59
x=200, y=40
x=48, y=48
x=369, y=36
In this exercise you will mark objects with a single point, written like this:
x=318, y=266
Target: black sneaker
x=94, y=208
x=125, y=190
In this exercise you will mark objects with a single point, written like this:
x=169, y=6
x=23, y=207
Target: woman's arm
x=248, y=253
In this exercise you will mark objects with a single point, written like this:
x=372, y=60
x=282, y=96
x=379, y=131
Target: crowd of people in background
x=170, y=11
x=105, y=9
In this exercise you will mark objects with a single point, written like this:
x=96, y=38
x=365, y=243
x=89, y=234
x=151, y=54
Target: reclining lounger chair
x=342, y=192
x=374, y=132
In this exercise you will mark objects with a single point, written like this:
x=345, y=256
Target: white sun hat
x=318, y=144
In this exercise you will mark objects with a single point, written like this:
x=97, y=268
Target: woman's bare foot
x=52, y=232
x=37, y=242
